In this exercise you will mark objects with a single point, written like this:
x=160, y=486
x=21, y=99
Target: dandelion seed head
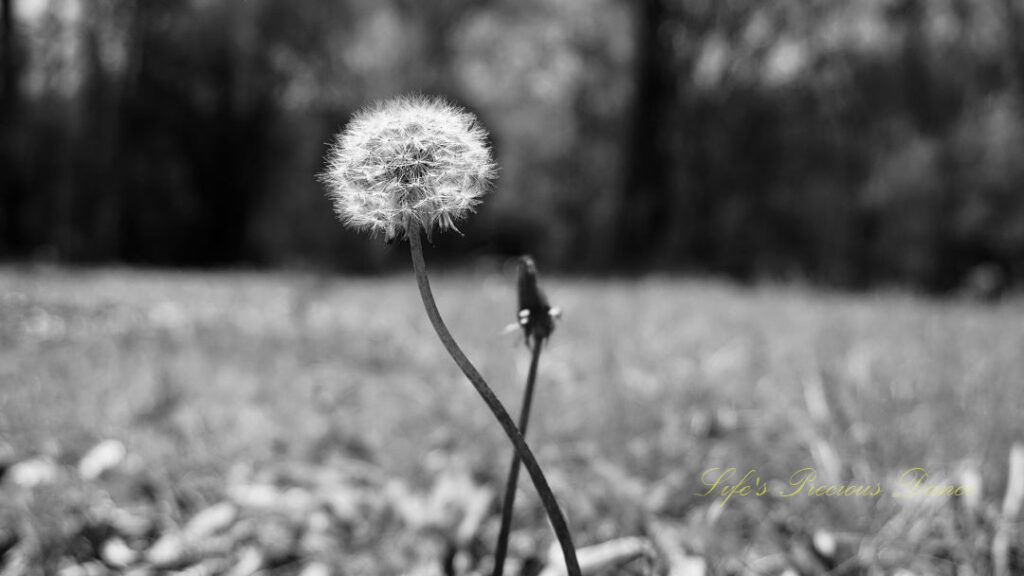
x=406, y=160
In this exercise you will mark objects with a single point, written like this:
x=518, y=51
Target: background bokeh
x=855, y=144
x=202, y=372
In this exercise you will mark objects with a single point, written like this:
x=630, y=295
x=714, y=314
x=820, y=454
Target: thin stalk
x=547, y=498
x=501, y=549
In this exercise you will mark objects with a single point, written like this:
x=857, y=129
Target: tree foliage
x=850, y=143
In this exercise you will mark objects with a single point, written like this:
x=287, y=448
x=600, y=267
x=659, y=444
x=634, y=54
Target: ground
x=319, y=416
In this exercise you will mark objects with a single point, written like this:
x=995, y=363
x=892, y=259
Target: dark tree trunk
x=1014, y=60
x=120, y=215
x=10, y=183
x=7, y=53
x=98, y=169
x=920, y=85
x=642, y=203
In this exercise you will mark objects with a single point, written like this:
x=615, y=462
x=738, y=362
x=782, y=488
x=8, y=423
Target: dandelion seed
x=408, y=160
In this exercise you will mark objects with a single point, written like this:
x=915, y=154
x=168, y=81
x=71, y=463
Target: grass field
x=324, y=417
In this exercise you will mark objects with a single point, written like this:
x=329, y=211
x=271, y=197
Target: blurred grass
x=646, y=384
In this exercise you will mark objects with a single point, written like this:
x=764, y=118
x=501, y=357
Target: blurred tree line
x=850, y=143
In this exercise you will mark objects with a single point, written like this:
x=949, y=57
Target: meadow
x=287, y=423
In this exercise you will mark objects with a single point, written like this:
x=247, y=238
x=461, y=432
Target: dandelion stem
x=523, y=451
x=501, y=549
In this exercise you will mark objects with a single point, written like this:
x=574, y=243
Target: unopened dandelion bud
x=536, y=315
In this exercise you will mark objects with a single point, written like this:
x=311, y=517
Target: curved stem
x=501, y=549
x=547, y=498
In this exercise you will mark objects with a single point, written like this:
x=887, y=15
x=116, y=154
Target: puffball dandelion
x=409, y=160
x=404, y=167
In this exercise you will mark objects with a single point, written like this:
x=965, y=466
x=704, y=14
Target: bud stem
x=523, y=451
x=501, y=549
